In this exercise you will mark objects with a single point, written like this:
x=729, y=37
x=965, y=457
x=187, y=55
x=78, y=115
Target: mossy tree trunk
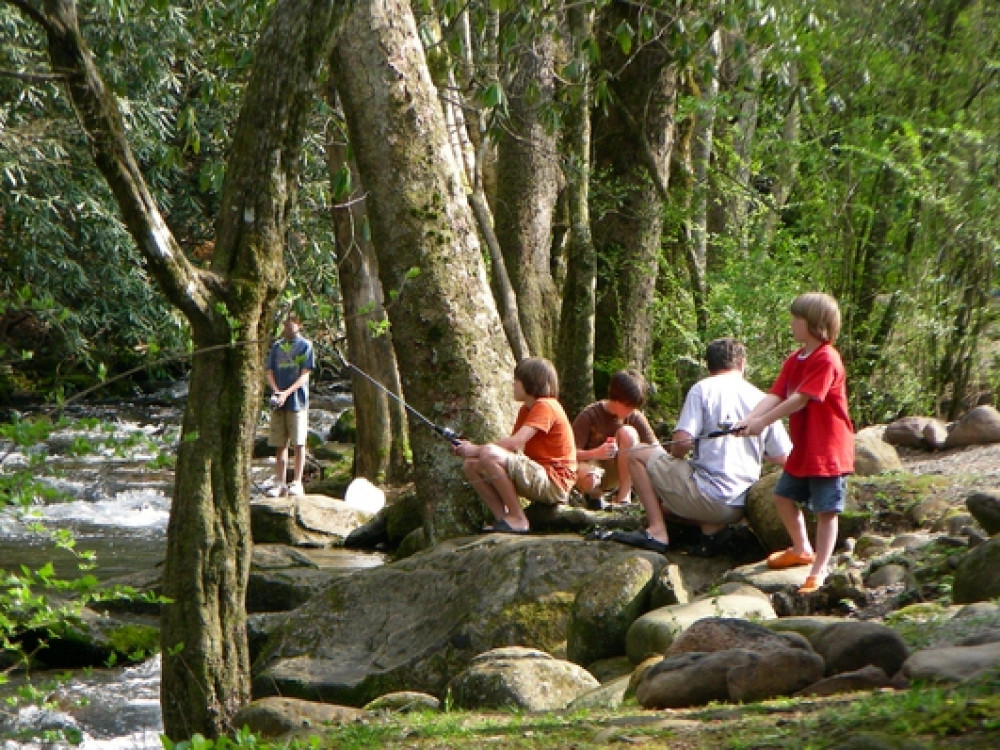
x=454, y=360
x=205, y=657
x=381, y=445
x=633, y=144
x=575, y=355
x=527, y=189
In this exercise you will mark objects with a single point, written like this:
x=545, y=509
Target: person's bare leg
x=627, y=439
x=656, y=526
x=826, y=540
x=281, y=464
x=474, y=472
x=493, y=462
x=795, y=524
x=299, y=463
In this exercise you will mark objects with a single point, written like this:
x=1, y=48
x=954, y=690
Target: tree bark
x=205, y=657
x=454, y=360
x=633, y=144
x=575, y=355
x=381, y=445
x=527, y=189
x=696, y=162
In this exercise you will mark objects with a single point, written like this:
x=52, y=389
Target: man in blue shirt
x=288, y=366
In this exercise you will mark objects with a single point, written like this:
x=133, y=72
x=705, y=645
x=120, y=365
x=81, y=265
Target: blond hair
x=820, y=312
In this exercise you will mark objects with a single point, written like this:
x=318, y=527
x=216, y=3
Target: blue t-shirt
x=287, y=360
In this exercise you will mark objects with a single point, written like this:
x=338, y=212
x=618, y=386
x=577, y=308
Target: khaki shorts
x=533, y=482
x=288, y=428
x=673, y=480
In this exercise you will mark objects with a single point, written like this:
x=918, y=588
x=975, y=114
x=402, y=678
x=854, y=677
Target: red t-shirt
x=552, y=446
x=821, y=431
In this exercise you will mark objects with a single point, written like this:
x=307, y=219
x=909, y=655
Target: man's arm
x=681, y=444
x=300, y=381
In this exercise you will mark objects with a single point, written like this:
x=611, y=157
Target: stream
x=114, y=489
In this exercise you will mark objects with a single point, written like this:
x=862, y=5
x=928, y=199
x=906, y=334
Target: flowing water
x=114, y=496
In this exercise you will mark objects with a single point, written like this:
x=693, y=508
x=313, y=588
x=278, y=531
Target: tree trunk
x=381, y=445
x=454, y=360
x=203, y=632
x=788, y=167
x=632, y=148
x=464, y=135
x=732, y=192
x=696, y=163
x=527, y=189
x=575, y=356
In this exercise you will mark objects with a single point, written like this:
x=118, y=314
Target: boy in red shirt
x=811, y=391
x=537, y=461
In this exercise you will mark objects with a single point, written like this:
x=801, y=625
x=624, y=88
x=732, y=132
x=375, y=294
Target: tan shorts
x=673, y=480
x=533, y=482
x=288, y=428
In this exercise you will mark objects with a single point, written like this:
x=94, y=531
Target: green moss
x=538, y=624
x=134, y=641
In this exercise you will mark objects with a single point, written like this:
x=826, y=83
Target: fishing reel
x=448, y=434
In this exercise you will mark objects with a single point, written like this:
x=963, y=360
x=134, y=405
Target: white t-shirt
x=725, y=467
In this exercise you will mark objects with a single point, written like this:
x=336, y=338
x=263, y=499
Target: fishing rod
x=725, y=428
x=446, y=432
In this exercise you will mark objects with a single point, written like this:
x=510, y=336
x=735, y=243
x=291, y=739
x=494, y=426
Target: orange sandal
x=813, y=583
x=788, y=559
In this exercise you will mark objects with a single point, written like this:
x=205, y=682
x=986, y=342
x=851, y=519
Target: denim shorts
x=818, y=494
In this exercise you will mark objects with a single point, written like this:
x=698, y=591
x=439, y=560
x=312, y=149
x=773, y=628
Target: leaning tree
x=228, y=305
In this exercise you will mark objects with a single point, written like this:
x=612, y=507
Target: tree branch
x=101, y=120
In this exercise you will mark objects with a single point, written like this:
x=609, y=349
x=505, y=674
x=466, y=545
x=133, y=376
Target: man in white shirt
x=709, y=488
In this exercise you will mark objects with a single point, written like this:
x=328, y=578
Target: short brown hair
x=628, y=387
x=538, y=376
x=820, y=312
x=724, y=354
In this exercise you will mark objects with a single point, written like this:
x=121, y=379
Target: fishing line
x=445, y=432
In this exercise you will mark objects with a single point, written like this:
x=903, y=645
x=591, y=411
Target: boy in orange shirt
x=537, y=461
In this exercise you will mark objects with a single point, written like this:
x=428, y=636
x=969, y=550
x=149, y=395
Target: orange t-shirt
x=552, y=446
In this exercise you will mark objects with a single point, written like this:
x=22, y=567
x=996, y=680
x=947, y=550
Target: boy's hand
x=748, y=428
x=463, y=448
x=608, y=450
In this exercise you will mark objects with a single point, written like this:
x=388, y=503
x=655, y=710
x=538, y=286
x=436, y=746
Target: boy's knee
x=626, y=436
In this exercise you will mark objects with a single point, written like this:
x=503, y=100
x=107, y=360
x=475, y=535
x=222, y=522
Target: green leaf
x=624, y=35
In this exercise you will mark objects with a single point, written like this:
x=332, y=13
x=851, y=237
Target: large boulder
x=655, y=631
x=872, y=455
x=308, y=521
x=519, y=679
x=277, y=717
x=610, y=600
x=762, y=516
x=416, y=623
x=953, y=663
x=696, y=678
x=724, y=633
x=850, y=646
x=977, y=426
x=985, y=508
x=977, y=577
x=924, y=433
